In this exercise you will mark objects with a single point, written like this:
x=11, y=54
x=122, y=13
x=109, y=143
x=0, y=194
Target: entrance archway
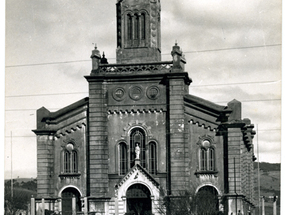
x=66, y=196
x=207, y=202
x=138, y=200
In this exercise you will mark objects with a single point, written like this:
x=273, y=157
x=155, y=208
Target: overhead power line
x=243, y=101
x=233, y=48
x=239, y=83
x=49, y=94
x=208, y=85
x=197, y=51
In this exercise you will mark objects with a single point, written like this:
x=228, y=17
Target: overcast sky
x=232, y=47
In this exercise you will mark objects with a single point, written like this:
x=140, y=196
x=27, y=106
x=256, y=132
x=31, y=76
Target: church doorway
x=66, y=196
x=138, y=200
x=207, y=202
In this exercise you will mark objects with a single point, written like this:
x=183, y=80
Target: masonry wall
x=178, y=148
x=234, y=160
x=44, y=165
x=98, y=139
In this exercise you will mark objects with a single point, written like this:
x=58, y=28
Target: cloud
x=39, y=31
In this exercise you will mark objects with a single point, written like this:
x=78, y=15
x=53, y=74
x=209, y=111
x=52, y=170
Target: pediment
x=138, y=175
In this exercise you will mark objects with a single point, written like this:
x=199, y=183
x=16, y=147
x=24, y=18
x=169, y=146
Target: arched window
x=137, y=136
x=152, y=158
x=123, y=160
x=206, y=156
x=129, y=27
x=70, y=159
x=143, y=25
x=136, y=27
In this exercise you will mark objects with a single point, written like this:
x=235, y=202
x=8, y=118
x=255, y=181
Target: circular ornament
x=119, y=94
x=136, y=93
x=152, y=92
x=206, y=143
x=69, y=147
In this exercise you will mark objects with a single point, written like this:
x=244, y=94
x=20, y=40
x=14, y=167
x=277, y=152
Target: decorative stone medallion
x=152, y=92
x=119, y=94
x=136, y=93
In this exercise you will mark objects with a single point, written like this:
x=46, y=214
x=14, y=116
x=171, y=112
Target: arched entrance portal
x=138, y=200
x=207, y=201
x=66, y=196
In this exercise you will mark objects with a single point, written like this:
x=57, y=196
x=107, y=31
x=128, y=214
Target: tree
x=19, y=200
x=175, y=205
x=186, y=202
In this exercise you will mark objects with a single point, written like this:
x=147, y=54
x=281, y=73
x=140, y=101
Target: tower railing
x=163, y=67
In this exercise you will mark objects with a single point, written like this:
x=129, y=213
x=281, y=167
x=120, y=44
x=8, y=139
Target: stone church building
x=140, y=136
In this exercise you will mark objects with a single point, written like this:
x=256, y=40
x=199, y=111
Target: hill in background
x=269, y=185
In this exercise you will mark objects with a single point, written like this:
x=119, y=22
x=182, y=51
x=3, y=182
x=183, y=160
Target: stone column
x=43, y=206
x=262, y=205
x=59, y=206
x=85, y=206
x=73, y=205
x=33, y=206
x=275, y=205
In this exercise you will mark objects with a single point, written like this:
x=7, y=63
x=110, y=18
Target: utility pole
x=258, y=174
x=11, y=168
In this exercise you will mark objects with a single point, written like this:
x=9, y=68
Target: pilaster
x=98, y=139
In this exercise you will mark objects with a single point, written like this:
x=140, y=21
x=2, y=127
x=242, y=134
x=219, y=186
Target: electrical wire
x=187, y=52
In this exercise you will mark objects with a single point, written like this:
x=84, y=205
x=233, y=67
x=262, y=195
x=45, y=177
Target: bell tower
x=138, y=31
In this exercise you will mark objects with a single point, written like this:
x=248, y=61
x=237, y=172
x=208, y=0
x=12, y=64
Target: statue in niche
x=137, y=151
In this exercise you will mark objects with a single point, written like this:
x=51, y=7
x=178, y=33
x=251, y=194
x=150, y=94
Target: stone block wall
x=98, y=140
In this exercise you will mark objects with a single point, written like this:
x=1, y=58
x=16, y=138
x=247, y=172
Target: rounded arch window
x=70, y=159
x=207, y=156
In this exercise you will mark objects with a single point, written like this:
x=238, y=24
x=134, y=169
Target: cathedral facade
x=140, y=136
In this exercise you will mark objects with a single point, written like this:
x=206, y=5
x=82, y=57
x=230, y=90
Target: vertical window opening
x=143, y=25
x=74, y=161
x=203, y=159
x=136, y=27
x=211, y=159
x=123, y=158
x=152, y=158
x=66, y=162
x=129, y=27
